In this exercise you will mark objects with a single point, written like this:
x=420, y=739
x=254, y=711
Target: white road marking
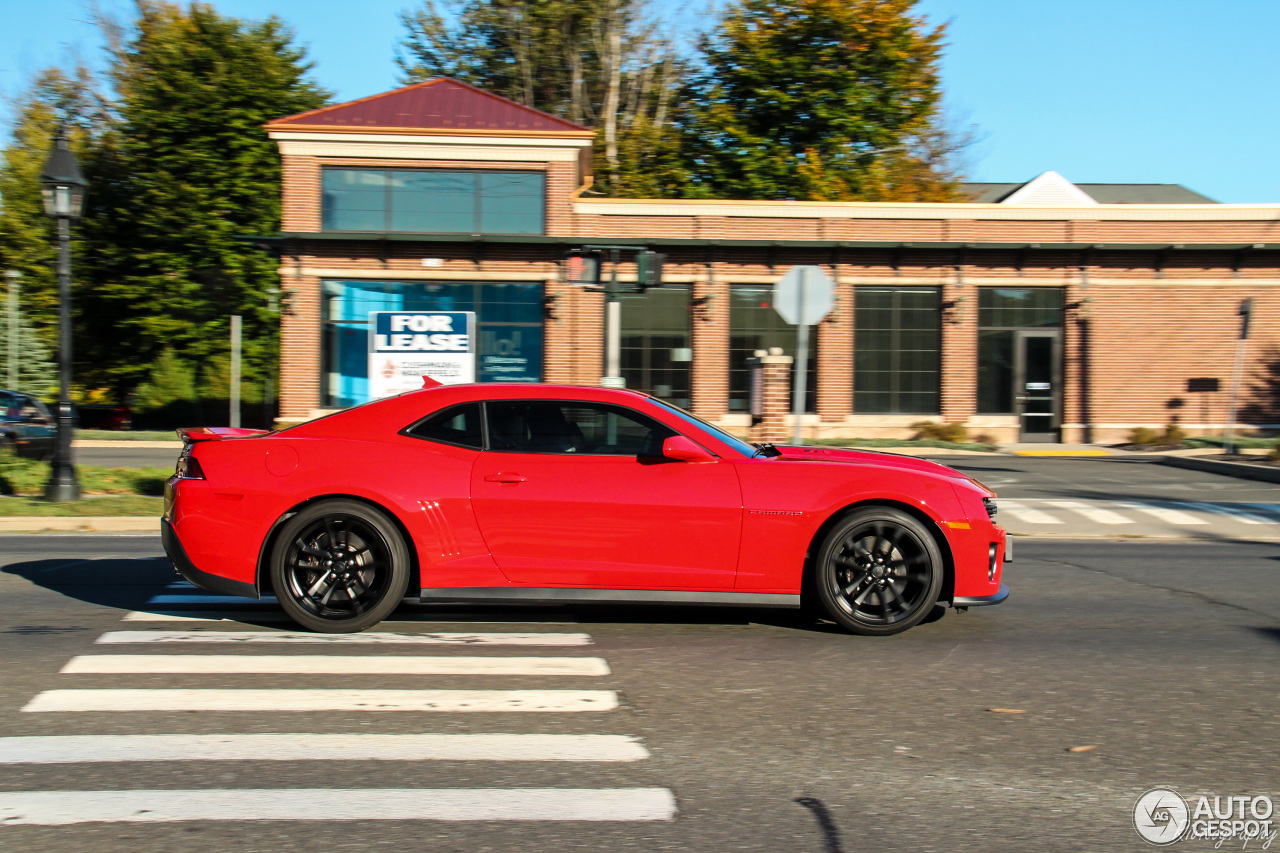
x=1096, y=514
x=76, y=749
x=367, y=638
x=1229, y=511
x=402, y=615
x=346, y=665
x=1164, y=513
x=1022, y=512
x=204, y=616
x=270, y=701
x=57, y=808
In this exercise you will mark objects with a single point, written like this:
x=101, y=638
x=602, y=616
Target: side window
x=548, y=426
x=457, y=425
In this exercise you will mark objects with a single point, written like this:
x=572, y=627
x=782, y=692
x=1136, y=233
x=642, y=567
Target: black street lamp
x=63, y=185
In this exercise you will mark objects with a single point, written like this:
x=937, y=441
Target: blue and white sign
x=404, y=346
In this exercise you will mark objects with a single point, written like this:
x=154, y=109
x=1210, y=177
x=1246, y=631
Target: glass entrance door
x=1036, y=385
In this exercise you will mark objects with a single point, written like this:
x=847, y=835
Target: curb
x=1243, y=470
x=80, y=524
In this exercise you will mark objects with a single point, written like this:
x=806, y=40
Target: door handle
x=503, y=478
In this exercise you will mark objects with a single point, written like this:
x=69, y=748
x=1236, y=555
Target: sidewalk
x=80, y=524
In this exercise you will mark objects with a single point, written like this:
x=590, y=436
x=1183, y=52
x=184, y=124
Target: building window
x=753, y=325
x=433, y=201
x=508, y=321
x=896, y=350
x=1002, y=313
x=656, y=354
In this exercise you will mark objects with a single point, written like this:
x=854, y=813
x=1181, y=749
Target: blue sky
x=1141, y=91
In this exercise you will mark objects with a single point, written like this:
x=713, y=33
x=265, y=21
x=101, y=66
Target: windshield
x=718, y=434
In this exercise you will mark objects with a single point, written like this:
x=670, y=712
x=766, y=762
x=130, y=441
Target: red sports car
x=545, y=493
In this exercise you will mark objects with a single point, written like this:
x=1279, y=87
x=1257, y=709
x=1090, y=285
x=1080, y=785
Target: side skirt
x=572, y=595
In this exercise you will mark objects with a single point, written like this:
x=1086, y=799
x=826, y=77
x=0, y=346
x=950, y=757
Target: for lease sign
x=404, y=346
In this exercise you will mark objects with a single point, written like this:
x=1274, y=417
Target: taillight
x=189, y=468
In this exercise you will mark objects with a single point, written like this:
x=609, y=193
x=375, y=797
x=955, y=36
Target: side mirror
x=684, y=450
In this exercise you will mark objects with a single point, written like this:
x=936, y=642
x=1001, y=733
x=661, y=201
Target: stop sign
x=804, y=295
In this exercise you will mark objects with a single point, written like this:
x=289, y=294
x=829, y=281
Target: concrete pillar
x=775, y=422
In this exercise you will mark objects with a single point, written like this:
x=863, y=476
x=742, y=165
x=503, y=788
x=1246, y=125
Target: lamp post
x=63, y=185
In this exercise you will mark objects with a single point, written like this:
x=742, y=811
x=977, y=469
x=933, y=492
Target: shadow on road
x=128, y=584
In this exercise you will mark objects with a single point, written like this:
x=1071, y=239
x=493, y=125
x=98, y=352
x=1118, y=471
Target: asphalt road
x=764, y=732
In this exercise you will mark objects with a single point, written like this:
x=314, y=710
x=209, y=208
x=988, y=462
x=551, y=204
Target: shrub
x=931, y=430
x=1143, y=436
x=1173, y=434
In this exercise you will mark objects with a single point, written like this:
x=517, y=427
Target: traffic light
x=582, y=267
x=649, y=268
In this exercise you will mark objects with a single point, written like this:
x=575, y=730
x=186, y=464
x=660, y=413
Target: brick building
x=1041, y=311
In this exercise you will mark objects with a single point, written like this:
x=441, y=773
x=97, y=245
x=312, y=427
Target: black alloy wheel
x=339, y=566
x=879, y=572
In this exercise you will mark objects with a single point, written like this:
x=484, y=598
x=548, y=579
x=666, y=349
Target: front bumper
x=981, y=600
x=182, y=565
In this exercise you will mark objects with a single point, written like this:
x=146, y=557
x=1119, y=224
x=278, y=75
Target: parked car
x=546, y=493
x=26, y=426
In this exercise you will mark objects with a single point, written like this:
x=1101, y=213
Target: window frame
x=484, y=427
x=895, y=351
x=477, y=195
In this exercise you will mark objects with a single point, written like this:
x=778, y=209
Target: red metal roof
x=442, y=105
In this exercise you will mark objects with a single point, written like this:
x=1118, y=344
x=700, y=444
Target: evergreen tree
x=37, y=372
x=186, y=169
x=820, y=100
x=598, y=63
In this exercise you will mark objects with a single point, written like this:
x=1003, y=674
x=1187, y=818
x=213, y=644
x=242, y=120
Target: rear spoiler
x=193, y=434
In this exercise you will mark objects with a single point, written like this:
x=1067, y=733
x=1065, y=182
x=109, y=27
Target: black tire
x=339, y=566
x=879, y=572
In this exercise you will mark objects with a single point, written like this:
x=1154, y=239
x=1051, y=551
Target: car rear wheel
x=339, y=566
x=879, y=572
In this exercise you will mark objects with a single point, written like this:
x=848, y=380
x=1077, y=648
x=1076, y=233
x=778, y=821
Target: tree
x=185, y=170
x=820, y=100
x=598, y=63
x=55, y=98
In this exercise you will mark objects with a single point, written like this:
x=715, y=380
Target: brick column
x=959, y=353
x=776, y=369
x=300, y=348
x=709, y=337
x=835, y=357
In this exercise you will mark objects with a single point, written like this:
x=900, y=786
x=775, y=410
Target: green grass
x=126, y=435
x=116, y=505
x=27, y=477
x=1242, y=441
x=897, y=442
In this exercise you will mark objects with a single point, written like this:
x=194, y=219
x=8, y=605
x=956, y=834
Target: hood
x=877, y=459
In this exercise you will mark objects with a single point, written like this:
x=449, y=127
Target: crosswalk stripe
x=1022, y=512
x=75, y=749
x=346, y=665
x=273, y=700
x=367, y=638
x=1096, y=514
x=1164, y=513
x=1227, y=510
x=434, y=617
x=58, y=808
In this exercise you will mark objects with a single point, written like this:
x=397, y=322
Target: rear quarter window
x=457, y=425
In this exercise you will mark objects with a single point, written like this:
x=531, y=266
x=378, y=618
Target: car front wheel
x=879, y=572
x=339, y=566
